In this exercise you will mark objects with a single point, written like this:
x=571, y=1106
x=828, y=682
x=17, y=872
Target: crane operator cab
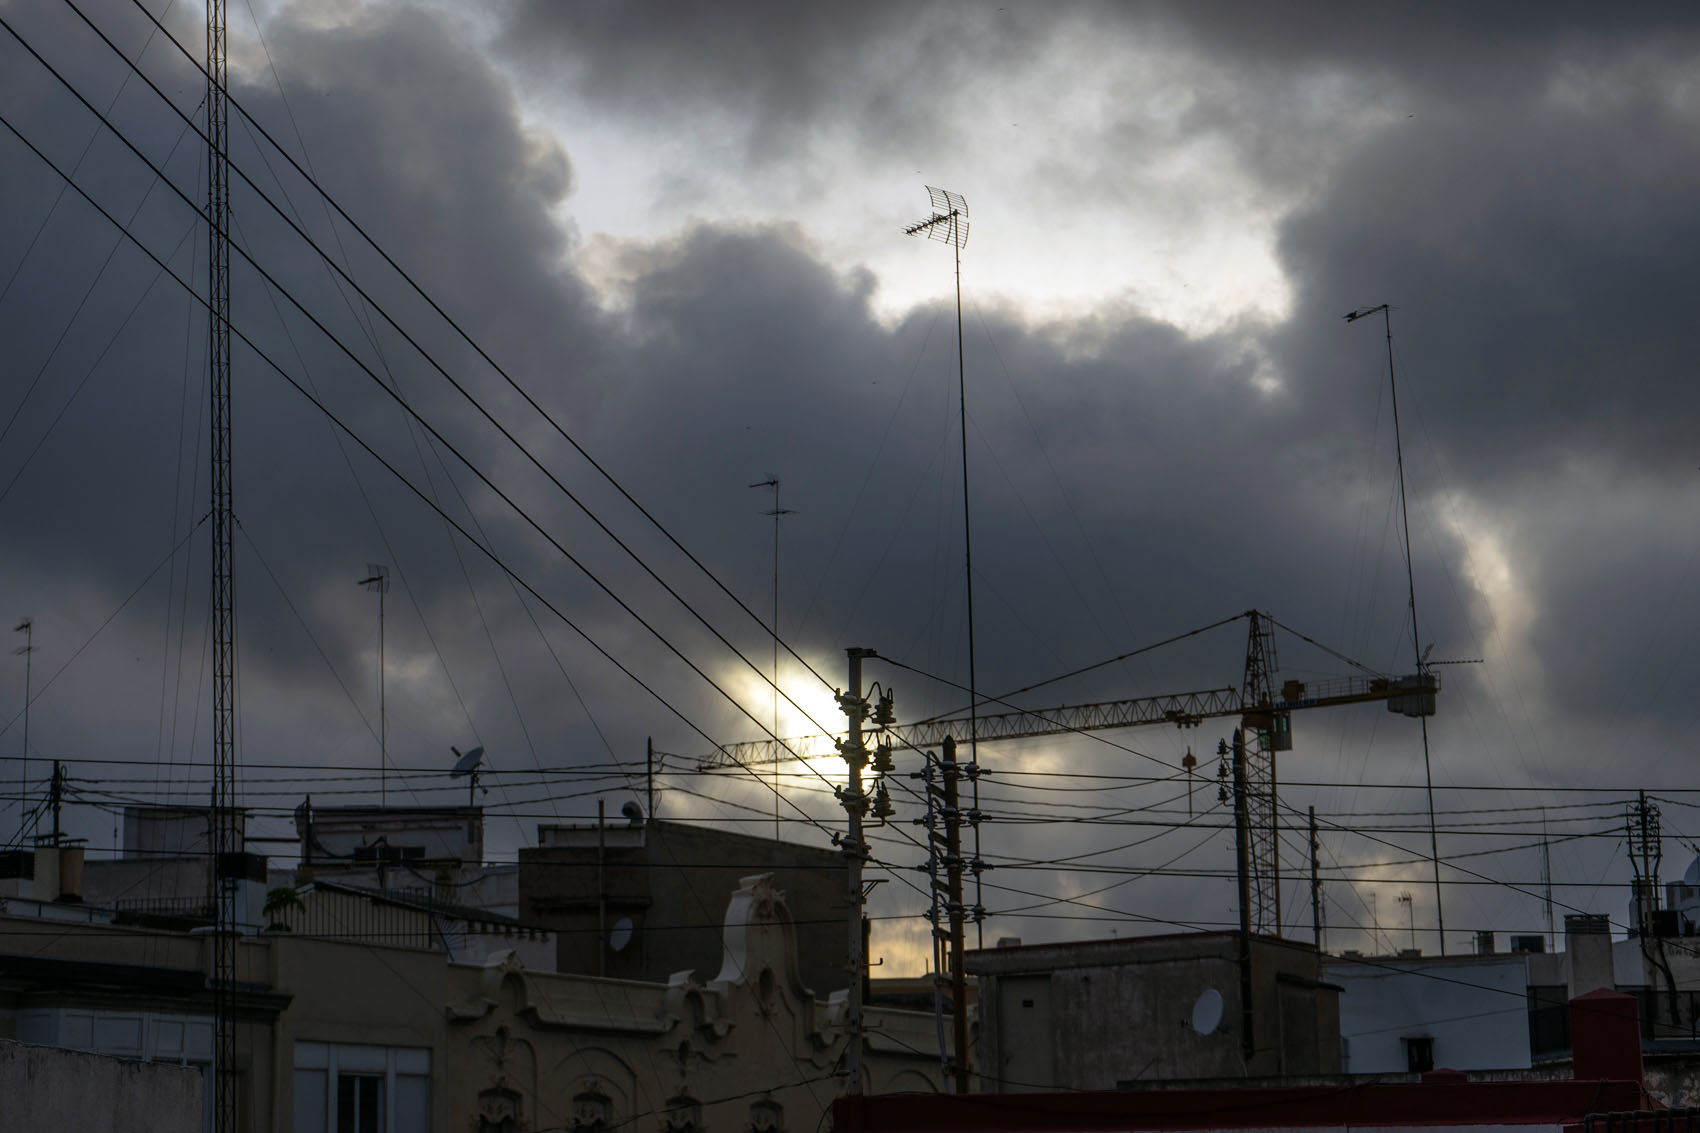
x=1414, y=695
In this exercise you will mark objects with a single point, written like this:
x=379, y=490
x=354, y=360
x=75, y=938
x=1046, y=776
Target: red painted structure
x=1606, y=1032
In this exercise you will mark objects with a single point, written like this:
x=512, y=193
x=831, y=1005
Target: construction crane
x=1265, y=715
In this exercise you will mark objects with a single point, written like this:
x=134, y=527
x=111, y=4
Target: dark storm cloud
x=369, y=97
x=1534, y=239
x=741, y=353
x=773, y=73
x=1545, y=252
x=1462, y=48
x=1130, y=480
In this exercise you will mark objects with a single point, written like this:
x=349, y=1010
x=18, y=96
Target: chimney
x=1587, y=946
x=1605, y=1036
x=70, y=874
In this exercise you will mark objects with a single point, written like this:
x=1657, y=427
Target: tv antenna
x=949, y=225
x=378, y=579
x=1385, y=310
x=467, y=764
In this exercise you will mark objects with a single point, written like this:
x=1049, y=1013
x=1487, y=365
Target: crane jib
x=1412, y=695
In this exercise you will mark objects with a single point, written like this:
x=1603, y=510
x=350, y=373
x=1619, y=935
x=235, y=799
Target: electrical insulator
x=884, y=714
x=882, y=758
x=882, y=803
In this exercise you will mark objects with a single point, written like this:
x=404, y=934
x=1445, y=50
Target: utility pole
x=601, y=888
x=649, y=774
x=1645, y=852
x=1646, y=849
x=939, y=890
x=56, y=795
x=27, y=650
x=1315, y=883
x=855, y=708
x=945, y=802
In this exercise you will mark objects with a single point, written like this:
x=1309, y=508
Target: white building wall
x=1473, y=1008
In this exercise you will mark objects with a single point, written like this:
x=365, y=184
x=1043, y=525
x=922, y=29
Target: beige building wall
x=463, y=1047
x=643, y=901
x=1091, y=1015
x=749, y=1049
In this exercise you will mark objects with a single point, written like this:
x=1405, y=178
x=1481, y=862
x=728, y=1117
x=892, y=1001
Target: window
x=1419, y=1054
x=1549, y=1019
x=350, y=1088
x=360, y=1103
x=149, y=1036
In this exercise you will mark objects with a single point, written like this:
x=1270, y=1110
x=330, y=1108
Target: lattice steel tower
x=1266, y=732
x=222, y=819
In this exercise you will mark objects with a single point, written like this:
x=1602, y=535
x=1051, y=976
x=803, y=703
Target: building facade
x=642, y=900
x=1099, y=1014
x=387, y=1035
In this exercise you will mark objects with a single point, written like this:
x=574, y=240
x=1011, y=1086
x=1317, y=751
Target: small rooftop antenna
x=467, y=763
x=949, y=225
x=378, y=578
x=776, y=512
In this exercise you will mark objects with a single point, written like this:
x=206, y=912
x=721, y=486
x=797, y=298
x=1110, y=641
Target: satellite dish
x=633, y=813
x=621, y=934
x=1207, y=1012
x=468, y=762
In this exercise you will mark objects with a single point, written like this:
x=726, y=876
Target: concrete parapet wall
x=46, y=1087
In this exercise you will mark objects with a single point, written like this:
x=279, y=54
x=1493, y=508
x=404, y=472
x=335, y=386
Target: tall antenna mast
x=776, y=512
x=26, y=627
x=1386, y=312
x=949, y=225
x=223, y=825
x=378, y=579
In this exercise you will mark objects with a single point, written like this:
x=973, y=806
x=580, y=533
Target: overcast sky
x=678, y=228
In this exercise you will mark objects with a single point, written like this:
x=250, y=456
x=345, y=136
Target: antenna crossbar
x=949, y=222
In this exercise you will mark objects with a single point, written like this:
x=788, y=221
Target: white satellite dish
x=621, y=934
x=1207, y=1012
x=468, y=762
